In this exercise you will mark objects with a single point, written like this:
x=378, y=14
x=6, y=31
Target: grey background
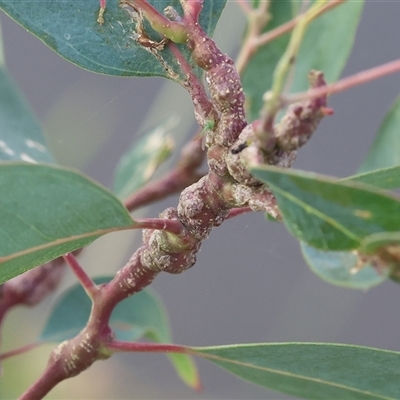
x=250, y=283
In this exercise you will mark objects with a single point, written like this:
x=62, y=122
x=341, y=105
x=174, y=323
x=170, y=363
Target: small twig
x=19, y=350
x=256, y=42
x=289, y=57
x=273, y=100
x=203, y=108
x=244, y=5
x=183, y=175
x=90, y=287
x=192, y=10
x=238, y=211
x=257, y=20
x=168, y=225
x=171, y=183
x=288, y=26
x=354, y=80
x=173, y=30
x=117, y=345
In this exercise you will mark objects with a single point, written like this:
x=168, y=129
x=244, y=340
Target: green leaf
x=343, y=268
x=327, y=44
x=328, y=214
x=385, y=150
x=313, y=370
x=20, y=133
x=70, y=28
x=383, y=163
x=385, y=178
x=186, y=369
x=70, y=314
x=141, y=315
x=47, y=211
x=257, y=75
x=138, y=165
x=338, y=268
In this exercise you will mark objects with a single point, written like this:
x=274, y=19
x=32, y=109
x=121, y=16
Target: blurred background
x=250, y=283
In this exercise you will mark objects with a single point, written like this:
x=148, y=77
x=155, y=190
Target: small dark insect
x=239, y=148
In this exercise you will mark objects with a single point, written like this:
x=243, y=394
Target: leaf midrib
x=311, y=210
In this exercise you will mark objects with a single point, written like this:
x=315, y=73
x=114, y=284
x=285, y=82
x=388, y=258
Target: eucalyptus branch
x=234, y=212
x=172, y=241
x=155, y=38
x=202, y=206
x=203, y=108
x=74, y=356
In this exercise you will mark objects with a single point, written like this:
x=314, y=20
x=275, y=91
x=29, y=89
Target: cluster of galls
x=232, y=146
x=206, y=203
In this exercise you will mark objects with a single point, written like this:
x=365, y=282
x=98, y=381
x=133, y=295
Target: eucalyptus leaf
x=313, y=370
x=363, y=269
x=20, y=133
x=328, y=214
x=47, y=211
x=71, y=29
x=138, y=316
x=139, y=163
x=186, y=369
x=385, y=150
x=343, y=268
x=384, y=178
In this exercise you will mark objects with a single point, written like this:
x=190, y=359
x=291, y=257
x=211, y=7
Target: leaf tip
x=198, y=386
